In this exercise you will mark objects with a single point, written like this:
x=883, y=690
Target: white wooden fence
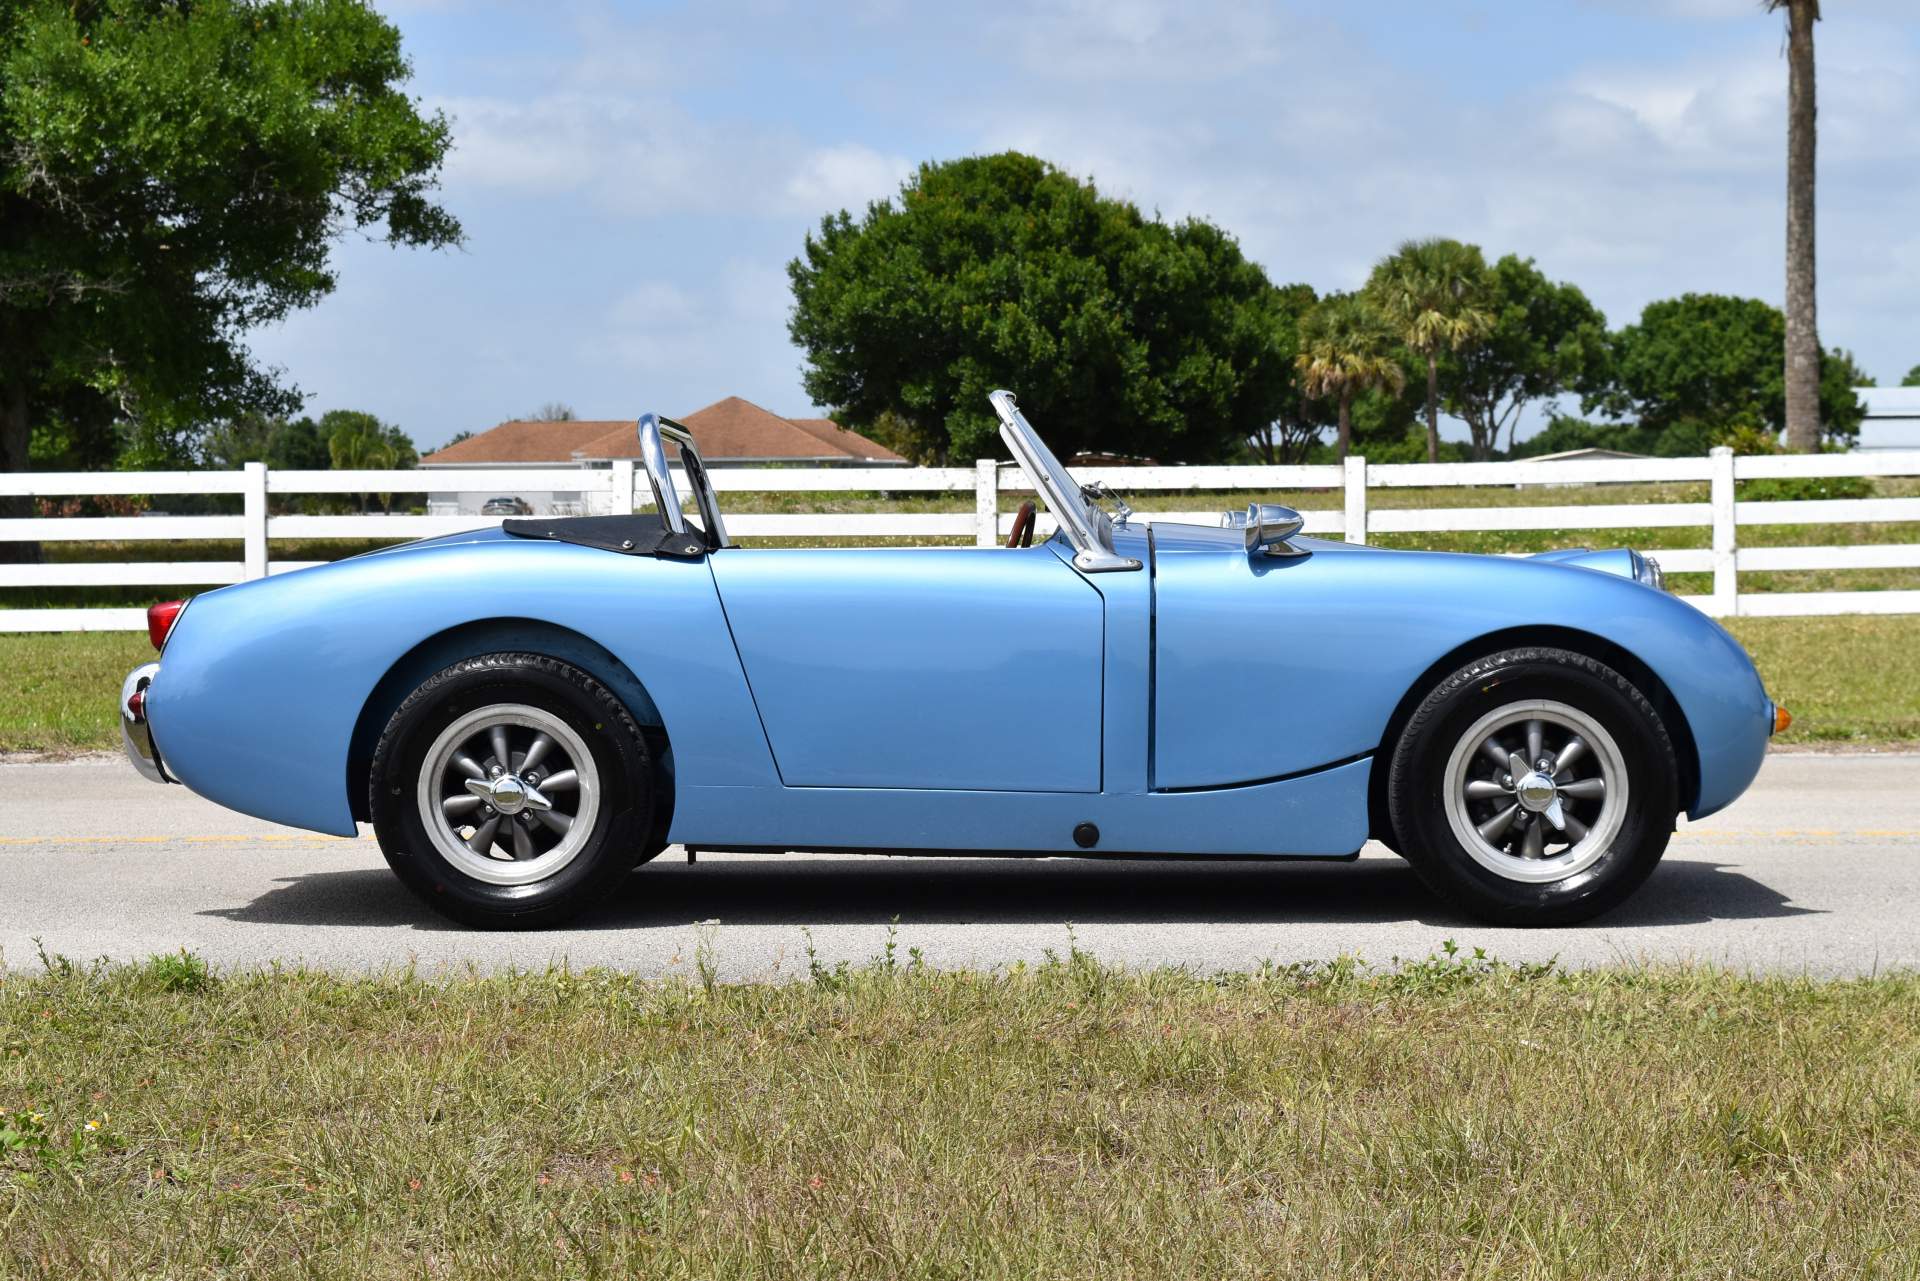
x=1347, y=514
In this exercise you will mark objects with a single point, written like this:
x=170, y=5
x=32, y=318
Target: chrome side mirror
x=1268, y=527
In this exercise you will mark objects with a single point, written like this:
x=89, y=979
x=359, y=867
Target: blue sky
x=634, y=177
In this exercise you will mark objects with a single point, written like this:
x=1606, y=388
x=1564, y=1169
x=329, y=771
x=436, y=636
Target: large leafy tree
x=1433, y=294
x=1118, y=332
x=1705, y=365
x=1546, y=338
x=174, y=173
x=1346, y=349
x=1913, y=377
x=1804, y=394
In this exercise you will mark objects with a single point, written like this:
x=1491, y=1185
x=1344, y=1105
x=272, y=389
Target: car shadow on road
x=946, y=891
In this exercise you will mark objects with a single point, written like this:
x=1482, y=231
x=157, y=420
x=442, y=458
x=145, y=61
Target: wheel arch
x=500, y=635
x=1672, y=716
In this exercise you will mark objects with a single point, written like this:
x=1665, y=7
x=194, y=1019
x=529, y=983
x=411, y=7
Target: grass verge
x=1447, y=1117
x=1846, y=680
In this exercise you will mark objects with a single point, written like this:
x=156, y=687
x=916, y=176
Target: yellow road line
x=1801, y=834
x=315, y=838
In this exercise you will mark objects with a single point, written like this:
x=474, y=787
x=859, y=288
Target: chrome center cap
x=1535, y=792
x=507, y=794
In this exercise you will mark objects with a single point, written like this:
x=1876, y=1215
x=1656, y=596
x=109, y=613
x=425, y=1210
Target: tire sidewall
x=1418, y=781
x=619, y=755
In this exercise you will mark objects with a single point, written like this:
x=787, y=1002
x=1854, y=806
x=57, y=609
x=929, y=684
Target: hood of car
x=1171, y=539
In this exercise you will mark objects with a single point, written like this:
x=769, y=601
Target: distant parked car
x=526, y=713
x=504, y=506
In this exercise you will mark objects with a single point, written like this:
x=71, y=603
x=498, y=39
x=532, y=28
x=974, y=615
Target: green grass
x=1449, y=1117
x=59, y=690
x=1848, y=679
x=1845, y=680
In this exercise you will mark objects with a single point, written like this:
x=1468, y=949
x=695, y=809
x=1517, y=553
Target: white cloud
x=844, y=176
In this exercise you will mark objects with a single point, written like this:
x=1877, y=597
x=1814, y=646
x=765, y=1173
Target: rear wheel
x=512, y=790
x=1534, y=787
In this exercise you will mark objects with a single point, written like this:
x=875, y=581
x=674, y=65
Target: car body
x=1120, y=687
x=506, y=505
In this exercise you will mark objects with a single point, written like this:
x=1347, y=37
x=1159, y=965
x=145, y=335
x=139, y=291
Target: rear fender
x=496, y=636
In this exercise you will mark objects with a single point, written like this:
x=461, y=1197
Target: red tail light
x=160, y=619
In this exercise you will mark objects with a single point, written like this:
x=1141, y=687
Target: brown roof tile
x=727, y=429
x=842, y=438
x=532, y=443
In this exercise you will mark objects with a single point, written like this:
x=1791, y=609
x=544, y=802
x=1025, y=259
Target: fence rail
x=1347, y=515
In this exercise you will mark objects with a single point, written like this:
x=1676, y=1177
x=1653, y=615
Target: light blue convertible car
x=525, y=714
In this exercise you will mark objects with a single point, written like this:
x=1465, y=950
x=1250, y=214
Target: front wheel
x=512, y=790
x=1534, y=787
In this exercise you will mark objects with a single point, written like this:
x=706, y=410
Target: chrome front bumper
x=136, y=736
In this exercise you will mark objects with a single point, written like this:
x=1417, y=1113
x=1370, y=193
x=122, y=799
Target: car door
x=943, y=668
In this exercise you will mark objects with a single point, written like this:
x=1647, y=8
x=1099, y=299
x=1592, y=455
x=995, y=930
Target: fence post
x=1726, y=589
x=254, y=513
x=986, y=503
x=1354, y=521
x=621, y=500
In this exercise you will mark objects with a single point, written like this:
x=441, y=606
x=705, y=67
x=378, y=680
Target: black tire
x=1606, y=871
x=618, y=837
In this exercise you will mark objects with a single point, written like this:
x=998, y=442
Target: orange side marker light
x=1781, y=719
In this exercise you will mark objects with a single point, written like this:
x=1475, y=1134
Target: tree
x=554, y=411
x=1298, y=418
x=1545, y=339
x=1913, y=377
x=1841, y=412
x=173, y=174
x=361, y=442
x=1704, y=365
x=1432, y=293
x=1118, y=332
x=282, y=444
x=1346, y=348
x=1802, y=341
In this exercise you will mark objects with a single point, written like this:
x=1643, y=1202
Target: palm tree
x=1430, y=294
x=1345, y=349
x=1803, y=334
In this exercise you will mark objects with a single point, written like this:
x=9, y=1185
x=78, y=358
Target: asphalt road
x=1817, y=870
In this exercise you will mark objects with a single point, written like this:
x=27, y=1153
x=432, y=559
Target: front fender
x=1270, y=666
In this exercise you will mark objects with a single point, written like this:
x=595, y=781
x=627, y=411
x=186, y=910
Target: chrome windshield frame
x=654, y=432
x=1086, y=526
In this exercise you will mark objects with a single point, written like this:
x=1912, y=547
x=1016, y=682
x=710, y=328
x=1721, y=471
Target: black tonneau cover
x=627, y=535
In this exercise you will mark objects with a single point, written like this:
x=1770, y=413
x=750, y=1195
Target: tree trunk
x=1803, y=336
x=1433, y=408
x=15, y=433
x=1346, y=423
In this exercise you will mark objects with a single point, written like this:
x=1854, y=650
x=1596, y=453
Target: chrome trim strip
x=136, y=735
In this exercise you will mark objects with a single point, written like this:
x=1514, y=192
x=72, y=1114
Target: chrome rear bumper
x=136, y=736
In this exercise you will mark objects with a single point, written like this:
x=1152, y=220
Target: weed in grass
x=174, y=972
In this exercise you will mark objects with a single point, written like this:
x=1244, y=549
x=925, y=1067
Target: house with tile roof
x=730, y=433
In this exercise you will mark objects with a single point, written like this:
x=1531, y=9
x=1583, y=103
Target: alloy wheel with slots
x=509, y=794
x=1536, y=791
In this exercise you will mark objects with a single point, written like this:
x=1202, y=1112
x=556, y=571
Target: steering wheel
x=1022, y=535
